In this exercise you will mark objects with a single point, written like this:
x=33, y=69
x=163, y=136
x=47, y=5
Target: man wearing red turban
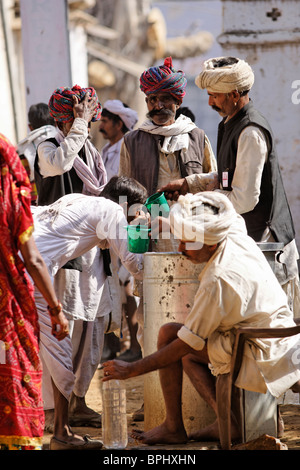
x=164, y=148
x=62, y=101
x=70, y=163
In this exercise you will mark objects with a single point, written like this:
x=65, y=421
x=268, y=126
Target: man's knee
x=167, y=334
x=296, y=387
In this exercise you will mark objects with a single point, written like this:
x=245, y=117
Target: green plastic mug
x=137, y=238
x=157, y=205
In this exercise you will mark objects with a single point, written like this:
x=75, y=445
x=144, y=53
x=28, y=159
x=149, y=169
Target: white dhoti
x=88, y=340
x=56, y=357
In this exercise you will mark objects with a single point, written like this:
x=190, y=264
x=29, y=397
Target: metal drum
x=169, y=287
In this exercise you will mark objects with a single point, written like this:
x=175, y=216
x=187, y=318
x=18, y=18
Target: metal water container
x=169, y=287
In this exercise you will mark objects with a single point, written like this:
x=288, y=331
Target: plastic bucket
x=157, y=205
x=137, y=238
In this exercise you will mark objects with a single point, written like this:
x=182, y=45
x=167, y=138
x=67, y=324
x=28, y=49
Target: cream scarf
x=176, y=136
x=93, y=174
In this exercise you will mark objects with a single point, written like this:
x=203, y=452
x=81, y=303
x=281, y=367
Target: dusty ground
x=290, y=413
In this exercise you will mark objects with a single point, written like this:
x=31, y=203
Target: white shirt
x=252, y=153
x=238, y=288
x=57, y=160
x=28, y=146
x=111, y=158
x=75, y=224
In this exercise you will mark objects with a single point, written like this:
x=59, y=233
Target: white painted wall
x=45, y=43
x=12, y=101
x=272, y=48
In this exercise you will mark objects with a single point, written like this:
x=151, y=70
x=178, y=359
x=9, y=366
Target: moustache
x=162, y=112
x=102, y=131
x=215, y=108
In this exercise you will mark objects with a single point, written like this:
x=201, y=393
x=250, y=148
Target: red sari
x=21, y=407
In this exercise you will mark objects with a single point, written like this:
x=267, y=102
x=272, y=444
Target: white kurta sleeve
x=251, y=156
x=209, y=160
x=57, y=160
x=112, y=229
x=202, y=182
x=205, y=316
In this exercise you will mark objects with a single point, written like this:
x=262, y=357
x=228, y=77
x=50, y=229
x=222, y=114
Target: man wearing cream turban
x=237, y=288
x=248, y=169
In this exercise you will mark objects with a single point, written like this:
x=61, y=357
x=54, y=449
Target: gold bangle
x=55, y=311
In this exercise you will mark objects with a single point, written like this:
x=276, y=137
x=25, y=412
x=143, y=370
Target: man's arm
x=165, y=356
x=55, y=160
x=58, y=160
x=191, y=184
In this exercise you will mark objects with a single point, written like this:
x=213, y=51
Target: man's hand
x=175, y=188
x=116, y=370
x=141, y=218
x=60, y=326
x=160, y=225
x=86, y=109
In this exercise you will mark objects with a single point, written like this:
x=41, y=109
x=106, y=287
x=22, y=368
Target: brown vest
x=144, y=154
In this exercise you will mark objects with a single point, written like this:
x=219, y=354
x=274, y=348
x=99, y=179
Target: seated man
x=237, y=288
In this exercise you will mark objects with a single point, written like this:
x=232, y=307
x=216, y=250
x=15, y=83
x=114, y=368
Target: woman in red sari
x=21, y=407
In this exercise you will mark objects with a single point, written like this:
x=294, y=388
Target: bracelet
x=55, y=311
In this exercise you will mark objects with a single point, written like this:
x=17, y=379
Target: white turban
x=224, y=79
x=128, y=115
x=190, y=221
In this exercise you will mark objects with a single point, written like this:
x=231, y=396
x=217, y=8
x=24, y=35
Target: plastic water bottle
x=114, y=418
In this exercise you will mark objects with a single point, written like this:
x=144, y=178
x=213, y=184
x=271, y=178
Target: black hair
x=38, y=115
x=206, y=208
x=224, y=61
x=115, y=118
x=186, y=111
x=118, y=186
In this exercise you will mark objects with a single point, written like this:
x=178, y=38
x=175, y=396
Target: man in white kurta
x=65, y=230
x=237, y=288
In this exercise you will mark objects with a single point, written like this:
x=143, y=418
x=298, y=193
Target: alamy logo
x=296, y=93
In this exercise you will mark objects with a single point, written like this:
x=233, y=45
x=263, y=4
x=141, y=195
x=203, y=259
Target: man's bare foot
x=211, y=433
x=160, y=435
